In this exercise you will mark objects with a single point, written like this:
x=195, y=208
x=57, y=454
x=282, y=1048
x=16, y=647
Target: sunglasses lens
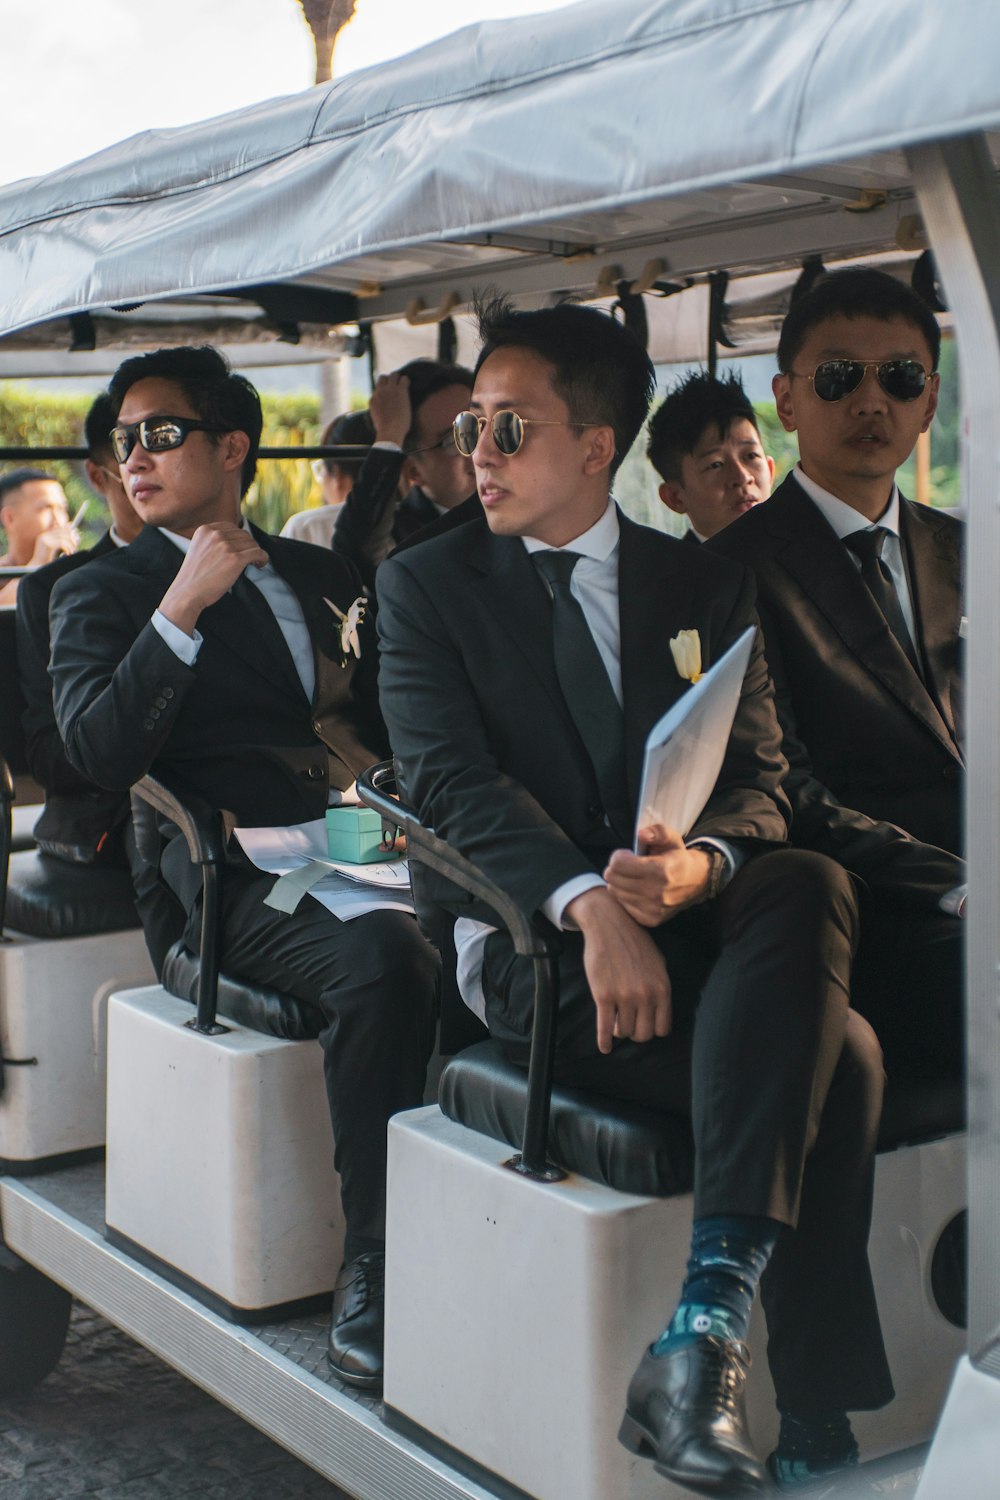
x=508, y=431
x=465, y=430
x=902, y=379
x=836, y=378
x=159, y=437
x=122, y=443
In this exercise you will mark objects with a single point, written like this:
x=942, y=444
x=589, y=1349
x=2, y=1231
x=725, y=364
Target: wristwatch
x=718, y=870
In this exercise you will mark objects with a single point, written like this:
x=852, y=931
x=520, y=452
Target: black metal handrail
x=204, y=833
x=533, y=937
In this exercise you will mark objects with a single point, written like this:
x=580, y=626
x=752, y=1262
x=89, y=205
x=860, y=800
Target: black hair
x=14, y=478
x=601, y=371
x=349, y=427
x=215, y=392
x=97, y=425
x=861, y=293
x=698, y=402
x=426, y=378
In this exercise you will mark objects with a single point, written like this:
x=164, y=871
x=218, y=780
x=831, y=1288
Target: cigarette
x=80, y=514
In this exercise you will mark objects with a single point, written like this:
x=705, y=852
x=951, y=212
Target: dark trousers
x=374, y=982
x=909, y=982
x=784, y=1085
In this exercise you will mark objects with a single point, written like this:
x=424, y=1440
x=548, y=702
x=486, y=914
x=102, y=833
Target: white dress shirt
x=845, y=521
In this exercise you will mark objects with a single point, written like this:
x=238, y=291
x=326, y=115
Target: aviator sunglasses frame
x=513, y=437
x=125, y=435
x=851, y=373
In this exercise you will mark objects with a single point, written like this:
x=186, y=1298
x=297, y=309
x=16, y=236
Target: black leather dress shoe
x=357, y=1331
x=687, y=1411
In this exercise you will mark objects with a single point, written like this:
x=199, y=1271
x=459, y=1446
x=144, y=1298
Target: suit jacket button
x=315, y=773
x=161, y=702
x=149, y=724
x=594, y=810
x=168, y=692
x=318, y=725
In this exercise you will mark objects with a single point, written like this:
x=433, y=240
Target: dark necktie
x=250, y=597
x=584, y=680
x=867, y=545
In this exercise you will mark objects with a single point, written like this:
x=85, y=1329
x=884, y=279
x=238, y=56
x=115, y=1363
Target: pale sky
x=79, y=75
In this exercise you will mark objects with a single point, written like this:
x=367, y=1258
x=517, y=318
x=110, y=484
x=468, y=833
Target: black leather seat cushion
x=634, y=1149
x=252, y=1005
x=622, y=1145
x=50, y=898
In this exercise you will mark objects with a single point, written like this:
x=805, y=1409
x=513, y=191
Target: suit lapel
x=655, y=601
x=813, y=555
x=934, y=571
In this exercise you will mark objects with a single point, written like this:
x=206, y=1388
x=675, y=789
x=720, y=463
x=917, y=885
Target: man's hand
x=660, y=882
x=625, y=971
x=58, y=541
x=219, y=553
x=390, y=408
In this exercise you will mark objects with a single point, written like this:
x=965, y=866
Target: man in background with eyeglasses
x=412, y=411
x=859, y=593
x=214, y=654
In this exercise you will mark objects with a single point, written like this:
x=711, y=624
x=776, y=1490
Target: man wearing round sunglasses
x=525, y=657
x=212, y=652
x=860, y=601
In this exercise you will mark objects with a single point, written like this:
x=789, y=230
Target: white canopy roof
x=611, y=141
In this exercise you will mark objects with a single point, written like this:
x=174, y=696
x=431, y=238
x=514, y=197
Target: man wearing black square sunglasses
x=860, y=599
x=217, y=656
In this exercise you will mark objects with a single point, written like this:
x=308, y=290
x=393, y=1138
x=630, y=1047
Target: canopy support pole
x=957, y=189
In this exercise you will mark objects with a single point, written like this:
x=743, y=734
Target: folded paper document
x=686, y=748
x=298, y=855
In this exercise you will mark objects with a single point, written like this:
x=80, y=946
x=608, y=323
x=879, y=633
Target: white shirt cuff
x=953, y=902
x=186, y=647
x=557, y=903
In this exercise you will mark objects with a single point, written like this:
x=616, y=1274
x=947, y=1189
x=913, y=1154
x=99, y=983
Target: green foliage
x=42, y=419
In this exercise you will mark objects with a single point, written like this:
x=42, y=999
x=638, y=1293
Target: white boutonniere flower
x=685, y=647
x=348, y=629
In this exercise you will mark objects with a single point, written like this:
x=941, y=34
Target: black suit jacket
x=873, y=748
x=485, y=744
x=77, y=814
x=373, y=520
x=237, y=727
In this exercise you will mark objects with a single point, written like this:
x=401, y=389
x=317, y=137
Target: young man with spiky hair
x=525, y=658
x=705, y=445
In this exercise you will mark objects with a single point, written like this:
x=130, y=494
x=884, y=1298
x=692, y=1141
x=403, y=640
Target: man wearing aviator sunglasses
x=860, y=600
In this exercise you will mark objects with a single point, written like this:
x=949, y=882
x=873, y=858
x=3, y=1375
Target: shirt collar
x=598, y=542
x=844, y=519
x=184, y=542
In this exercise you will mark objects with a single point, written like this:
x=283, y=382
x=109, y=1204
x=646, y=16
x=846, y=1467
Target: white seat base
x=220, y=1154
x=538, y=1300
x=53, y=1003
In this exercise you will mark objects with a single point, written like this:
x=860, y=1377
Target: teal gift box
x=354, y=835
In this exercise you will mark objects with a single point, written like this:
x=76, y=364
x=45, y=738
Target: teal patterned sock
x=810, y=1448
x=728, y=1256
